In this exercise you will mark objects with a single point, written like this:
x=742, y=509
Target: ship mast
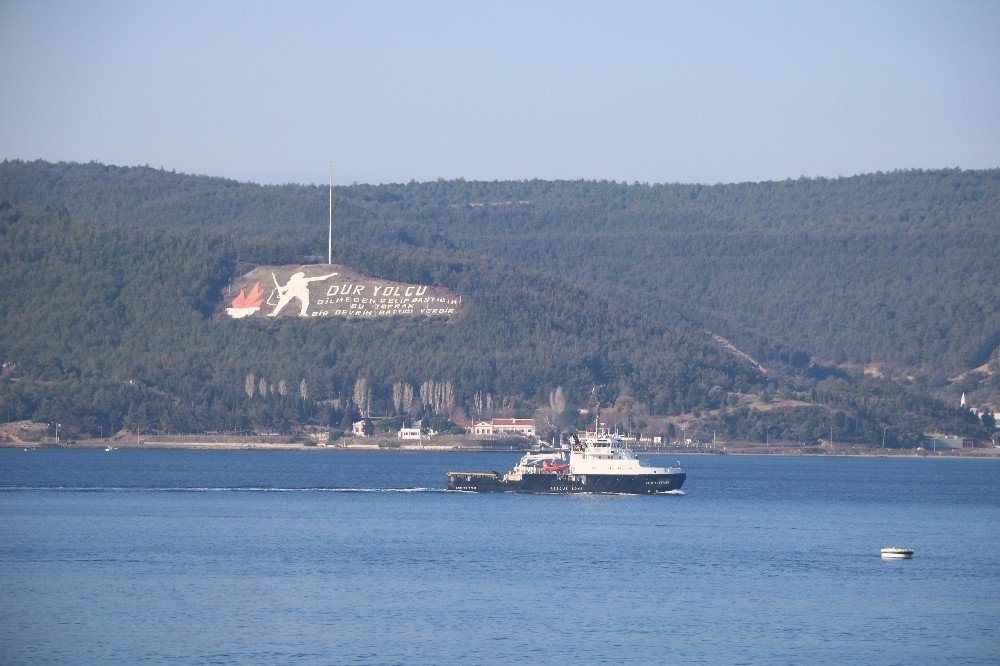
x=597, y=411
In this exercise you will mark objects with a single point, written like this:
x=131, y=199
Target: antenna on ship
x=595, y=401
x=329, y=245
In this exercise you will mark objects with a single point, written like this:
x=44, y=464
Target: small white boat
x=110, y=448
x=897, y=553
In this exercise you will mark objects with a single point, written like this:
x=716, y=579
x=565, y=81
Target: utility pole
x=329, y=245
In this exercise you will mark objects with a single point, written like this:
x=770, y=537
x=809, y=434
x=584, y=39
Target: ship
x=600, y=463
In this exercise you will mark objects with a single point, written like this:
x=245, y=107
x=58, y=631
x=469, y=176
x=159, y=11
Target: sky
x=703, y=91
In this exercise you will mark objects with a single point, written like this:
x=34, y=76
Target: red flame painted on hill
x=254, y=300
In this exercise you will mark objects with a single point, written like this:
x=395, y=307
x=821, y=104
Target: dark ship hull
x=629, y=484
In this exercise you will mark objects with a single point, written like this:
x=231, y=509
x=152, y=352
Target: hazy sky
x=392, y=91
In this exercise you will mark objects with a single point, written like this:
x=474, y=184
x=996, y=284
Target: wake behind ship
x=601, y=463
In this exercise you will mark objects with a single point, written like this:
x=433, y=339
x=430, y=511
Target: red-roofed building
x=494, y=427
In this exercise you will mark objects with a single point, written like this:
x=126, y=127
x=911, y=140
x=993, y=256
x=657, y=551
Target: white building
x=408, y=433
x=935, y=442
x=499, y=427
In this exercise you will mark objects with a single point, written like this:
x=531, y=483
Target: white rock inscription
x=334, y=291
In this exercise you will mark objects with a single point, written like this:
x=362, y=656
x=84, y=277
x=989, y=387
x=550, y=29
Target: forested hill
x=574, y=284
x=108, y=327
x=893, y=269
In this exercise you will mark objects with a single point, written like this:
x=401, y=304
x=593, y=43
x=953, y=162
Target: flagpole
x=329, y=246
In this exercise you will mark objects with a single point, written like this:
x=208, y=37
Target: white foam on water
x=220, y=489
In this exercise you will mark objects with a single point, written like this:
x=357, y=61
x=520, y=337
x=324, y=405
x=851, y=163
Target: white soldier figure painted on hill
x=296, y=287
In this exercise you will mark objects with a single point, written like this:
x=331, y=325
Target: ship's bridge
x=603, y=453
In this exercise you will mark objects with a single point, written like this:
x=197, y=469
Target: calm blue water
x=254, y=556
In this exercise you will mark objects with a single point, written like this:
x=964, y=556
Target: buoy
x=897, y=553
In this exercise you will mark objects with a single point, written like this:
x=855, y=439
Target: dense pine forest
x=868, y=302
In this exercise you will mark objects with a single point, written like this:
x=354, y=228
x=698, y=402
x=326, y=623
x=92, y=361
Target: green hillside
x=122, y=326
x=569, y=284
x=896, y=269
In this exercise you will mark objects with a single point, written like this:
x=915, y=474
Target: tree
x=362, y=396
x=623, y=409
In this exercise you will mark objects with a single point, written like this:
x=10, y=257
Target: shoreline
x=254, y=444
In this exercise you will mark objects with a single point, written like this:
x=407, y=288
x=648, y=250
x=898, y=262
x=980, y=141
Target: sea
x=279, y=557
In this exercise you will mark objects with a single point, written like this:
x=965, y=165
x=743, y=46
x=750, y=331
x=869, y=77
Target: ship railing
x=473, y=475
